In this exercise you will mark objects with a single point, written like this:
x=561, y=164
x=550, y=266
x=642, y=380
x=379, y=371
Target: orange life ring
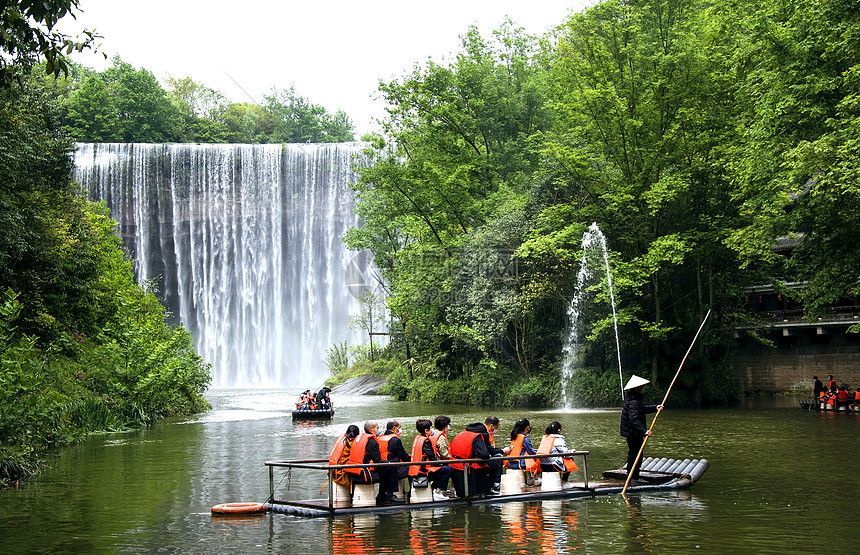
x=238, y=508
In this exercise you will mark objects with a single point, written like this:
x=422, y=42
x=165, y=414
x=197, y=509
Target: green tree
x=247, y=123
x=458, y=149
x=91, y=114
x=795, y=166
x=296, y=120
x=122, y=104
x=82, y=346
x=29, y=35
x=201, y=109
x=636, y=150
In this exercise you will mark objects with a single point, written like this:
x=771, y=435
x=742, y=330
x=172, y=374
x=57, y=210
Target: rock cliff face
x=360, y=385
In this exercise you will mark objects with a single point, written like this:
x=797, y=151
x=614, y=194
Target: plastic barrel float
x=239, y=509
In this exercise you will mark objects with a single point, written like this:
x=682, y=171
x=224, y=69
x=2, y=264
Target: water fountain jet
x=593, y=241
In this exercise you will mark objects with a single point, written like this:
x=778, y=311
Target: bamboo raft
x=657, y=474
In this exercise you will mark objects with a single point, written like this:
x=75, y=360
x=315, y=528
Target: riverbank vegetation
x=693, y=135
x=83, y=348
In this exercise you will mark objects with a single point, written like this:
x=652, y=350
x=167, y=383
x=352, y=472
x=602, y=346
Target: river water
x=782, y=479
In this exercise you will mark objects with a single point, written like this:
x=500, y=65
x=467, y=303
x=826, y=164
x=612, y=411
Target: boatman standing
x=633, y=422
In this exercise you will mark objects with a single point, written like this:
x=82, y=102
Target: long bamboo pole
x=660, y=407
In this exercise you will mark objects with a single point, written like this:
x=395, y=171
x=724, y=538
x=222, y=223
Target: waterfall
x=244, y=242
x=593, y=241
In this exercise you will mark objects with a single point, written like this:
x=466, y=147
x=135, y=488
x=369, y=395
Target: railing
x=313, y=464
x=837, y=314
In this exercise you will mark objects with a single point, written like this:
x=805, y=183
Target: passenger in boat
x=520, y=442
x=817, y=388
x=391, y=449
x=442, y=424
x=633, y=422
x=365, y=450
x=340, y=454
x=425, y=448
x=554, y=442
x=491, y=423
x=831, y=385
x=475, y=443
x=857, y=394
x=824, y=398
x=304, y=399
x=841, y=397
x=323, y=400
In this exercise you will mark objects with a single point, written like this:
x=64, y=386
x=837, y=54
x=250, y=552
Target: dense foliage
x=128, y=105
x=693, y=134
x=83, y=347
x=29, y=36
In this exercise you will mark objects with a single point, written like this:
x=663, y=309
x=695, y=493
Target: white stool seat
x=550, y=481
x=519, y=474
x=421, y=495
x=341, y=493
x=363, y=495
x=513, y=482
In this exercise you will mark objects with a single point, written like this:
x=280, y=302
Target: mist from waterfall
x=594, y=262
x=244, y=242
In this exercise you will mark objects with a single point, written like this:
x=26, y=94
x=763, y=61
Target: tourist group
x=432, y=444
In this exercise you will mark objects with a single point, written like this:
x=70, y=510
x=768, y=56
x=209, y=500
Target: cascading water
x=245, y=243
x=593, y=241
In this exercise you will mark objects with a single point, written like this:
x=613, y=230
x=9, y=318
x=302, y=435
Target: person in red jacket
x=476, y=443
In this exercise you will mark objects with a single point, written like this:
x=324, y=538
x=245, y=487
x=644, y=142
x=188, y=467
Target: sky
x=334, y=52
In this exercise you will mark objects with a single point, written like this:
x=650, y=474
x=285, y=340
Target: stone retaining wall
x=792, y=368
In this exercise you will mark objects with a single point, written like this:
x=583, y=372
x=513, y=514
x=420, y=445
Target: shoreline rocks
x=367, y=384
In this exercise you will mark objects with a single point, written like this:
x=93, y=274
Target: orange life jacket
x=857, y=395
x=531, y=465
x=842, y=395
x=434, y=440
x=546, y=444
x=383, y=445
x=356, y=455
x=461, y=448
x=418, y=454
x=338, y=449
x=823, y=396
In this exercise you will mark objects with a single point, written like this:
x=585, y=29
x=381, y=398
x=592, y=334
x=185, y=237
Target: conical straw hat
x=635, y=381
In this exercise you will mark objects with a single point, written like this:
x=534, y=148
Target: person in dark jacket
x=396, y=453
x=633, y=421
x=817, y=388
